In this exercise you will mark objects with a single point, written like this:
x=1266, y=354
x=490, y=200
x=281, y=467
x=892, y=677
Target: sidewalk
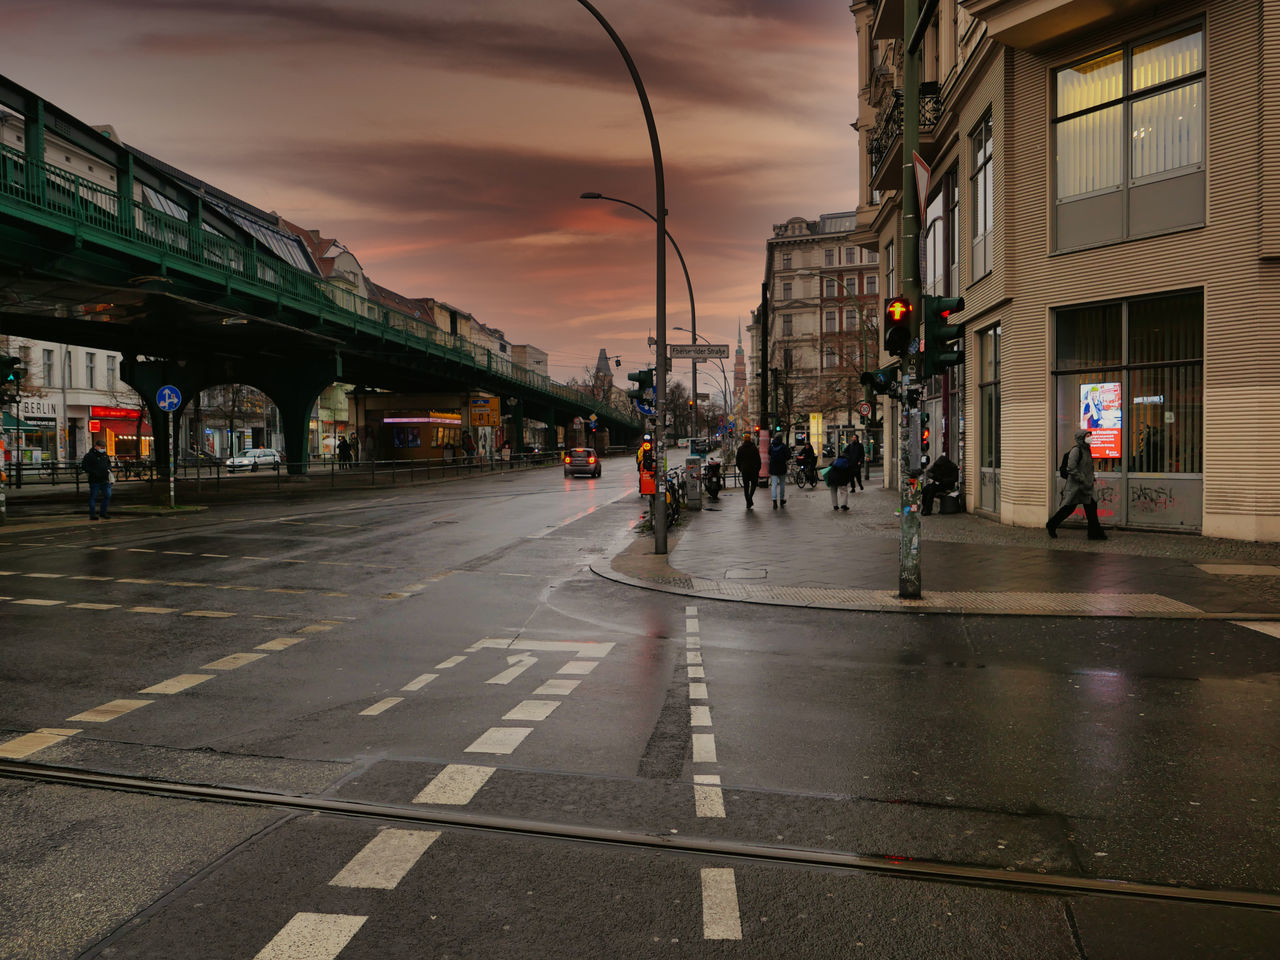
x=808, y=555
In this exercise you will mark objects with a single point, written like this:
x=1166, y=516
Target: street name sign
x=698, y=351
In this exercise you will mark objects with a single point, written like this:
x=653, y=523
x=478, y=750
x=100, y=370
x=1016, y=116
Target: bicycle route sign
x=168, y=398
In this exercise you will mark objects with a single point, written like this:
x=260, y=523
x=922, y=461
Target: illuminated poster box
x=1102, y=411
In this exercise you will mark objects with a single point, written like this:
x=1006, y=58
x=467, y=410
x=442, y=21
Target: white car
x=251, y=460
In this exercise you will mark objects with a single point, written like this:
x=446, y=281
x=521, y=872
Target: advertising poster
x=1102, y=411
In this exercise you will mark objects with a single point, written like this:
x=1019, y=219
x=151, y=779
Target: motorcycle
x=712, y=481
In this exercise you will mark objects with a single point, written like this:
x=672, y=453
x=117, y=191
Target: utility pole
x=909, y=426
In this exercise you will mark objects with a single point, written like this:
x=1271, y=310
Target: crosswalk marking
x=183, y=681
x=385, y=859
x=499, y=740
x=531, y=710
x=312, y=936
x=108, y=711
x=233, y=661
x=455, y=785
x=380, y=706
x=720, y=920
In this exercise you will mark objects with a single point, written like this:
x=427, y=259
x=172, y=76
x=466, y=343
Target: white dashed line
x=233, y=661
x=108, y=711
x=708, y=798
x=699, y=716
x=183, y=681
x=32, y=602
x=578, y=667
x=691, y=625
x=312, y=936
x=720, y=920
x=212, y=614
x=704, y=748
x=385, y=859
x=697, y=691
x=696, y=673
x=451, y=662
x=693, y=656
x=153, y=609
x=419, y=682
x=556, y=688
x=378, y=708
x=531, y=710
x=92, y=606
x=46, y=576
x=455, y=785
x=499, y=740
x=29, y=743
x=279, y=643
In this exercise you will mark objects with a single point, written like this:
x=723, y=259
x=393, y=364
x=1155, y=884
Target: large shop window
x=1129, y=141
x=1132, y=372
x=989, y=419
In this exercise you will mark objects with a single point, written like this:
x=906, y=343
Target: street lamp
x=693, y=314
x=660, y=293
x=724, y=377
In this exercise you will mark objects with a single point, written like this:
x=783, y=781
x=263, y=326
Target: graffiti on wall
x=1151, y=498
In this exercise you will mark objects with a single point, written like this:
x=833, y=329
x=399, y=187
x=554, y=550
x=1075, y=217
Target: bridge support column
x=517, y=426
x=294, y=391
x=147, y=377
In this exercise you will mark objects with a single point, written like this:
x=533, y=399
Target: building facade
x=1104, y=186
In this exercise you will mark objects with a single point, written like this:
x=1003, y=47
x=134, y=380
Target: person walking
x=809, y=461
x=344, y=454
x=838, y=480
x=856, y=454
x=97, y=467
x=1079, y=489
x=779, y=455
x=748, y=464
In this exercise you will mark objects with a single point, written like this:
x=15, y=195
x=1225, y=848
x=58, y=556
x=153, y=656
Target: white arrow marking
x=521, y=661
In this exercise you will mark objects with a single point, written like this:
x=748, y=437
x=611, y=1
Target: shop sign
x=115, y=413
x=35, y=407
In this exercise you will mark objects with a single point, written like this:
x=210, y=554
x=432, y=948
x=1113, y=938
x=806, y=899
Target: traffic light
x=924, y=437
x=646, y=455
x=644, y=381
x=11, y=374
x=897, y=326
x=884, y=380
x=939, y=334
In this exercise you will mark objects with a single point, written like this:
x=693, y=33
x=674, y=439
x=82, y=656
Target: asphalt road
x=445, y=651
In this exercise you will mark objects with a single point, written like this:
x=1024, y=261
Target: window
x=1129, y=140
x=66, y=370
x=786, y=358
x=989, y=418
x=890, y=288
x=831, y=288
x=870, y=281
x=111, y=372
x=787, y=329
x=829, y=322
x=873, y=256
x=47, y=367
x=786, y=261
x=829, y=358
x=850, y=255
x=952, y=188
x=828, y=258
x=90, y=360
x=982, y=190
x=786, y=290
x=935, y=243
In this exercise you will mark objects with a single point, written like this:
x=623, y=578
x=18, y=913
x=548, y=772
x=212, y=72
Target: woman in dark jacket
x=839, y=475
x=748, y=464
x=779, y=455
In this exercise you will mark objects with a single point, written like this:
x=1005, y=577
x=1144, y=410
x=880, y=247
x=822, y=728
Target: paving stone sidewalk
x=807, y=554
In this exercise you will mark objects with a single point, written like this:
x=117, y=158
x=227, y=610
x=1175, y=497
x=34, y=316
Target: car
x=252, y=460
x=581, y=461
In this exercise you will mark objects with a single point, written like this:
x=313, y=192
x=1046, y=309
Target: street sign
x=704, y=396
x=864, y=408
x=698, y=351
x=168, y=398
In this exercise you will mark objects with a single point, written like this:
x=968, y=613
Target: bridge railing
x=208, y=254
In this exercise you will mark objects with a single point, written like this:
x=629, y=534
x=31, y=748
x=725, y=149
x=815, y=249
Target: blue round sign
x=168, y=398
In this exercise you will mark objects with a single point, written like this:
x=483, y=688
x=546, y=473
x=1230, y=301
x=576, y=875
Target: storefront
x=124, y=429
x=1132, y=371
x=41, y=443
x=411, y=435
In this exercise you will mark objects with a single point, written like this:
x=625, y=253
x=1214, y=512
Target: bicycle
x=800, y=476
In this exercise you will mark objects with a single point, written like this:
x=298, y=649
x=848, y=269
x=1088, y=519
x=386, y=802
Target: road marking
x=88, y=577
x=315, y=628
x=255, y=558
x=531, y=710
x=103, y=548
x=592, y=648
x=690, y=611
x=419, y=682
x=520, y=663
x=499, y=740
x=234, y=586
x=456, y=784
x=1239, y=569
x=699, y=716
x=578, y=667
x=233, y=661
x=93, y=606
x=153, y=609
x=135, y=580
x=691, y=625
x=282, y=590
x=1270, y=628
x=312, y=936
x=451, y=662
x=693, y=656
x=31, y=602
x=8, y=573
x=697, y=691
x=141, y=550
x=708, y=800
x=182, y=583
x=720, y=919
x=178, y=553
x=279, y=643
x=693, y=643
x=219, y=556
x=385, y=859
x=29, y=743
x=556, y=688
x=108, y=711
x=704, y=748
x=376, y=709
x=215, y=614
x=58, y=576
x=414, y=587
x=696, y=673
x=182, y=681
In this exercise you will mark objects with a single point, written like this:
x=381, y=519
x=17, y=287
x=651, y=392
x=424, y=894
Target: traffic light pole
x=909, y=428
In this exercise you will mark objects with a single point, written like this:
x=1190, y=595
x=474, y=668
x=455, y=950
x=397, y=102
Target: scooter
x=711, y=480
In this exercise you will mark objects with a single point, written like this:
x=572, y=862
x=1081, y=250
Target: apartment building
x=1104, y=195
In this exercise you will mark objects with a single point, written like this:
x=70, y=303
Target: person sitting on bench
x=941, y=477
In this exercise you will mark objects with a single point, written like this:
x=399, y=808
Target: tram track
x=902, y=868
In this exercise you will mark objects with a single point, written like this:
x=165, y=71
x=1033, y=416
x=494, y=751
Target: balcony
x=884, y=143
x=1036, y=24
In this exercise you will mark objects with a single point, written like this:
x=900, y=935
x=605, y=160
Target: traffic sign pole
x=169, y=399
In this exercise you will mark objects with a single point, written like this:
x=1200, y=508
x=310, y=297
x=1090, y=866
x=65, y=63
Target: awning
x=125, y=429
x=10, y=423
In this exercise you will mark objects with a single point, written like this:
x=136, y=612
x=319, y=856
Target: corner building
x=1105, y=195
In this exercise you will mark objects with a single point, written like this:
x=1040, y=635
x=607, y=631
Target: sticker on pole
x=168, y=398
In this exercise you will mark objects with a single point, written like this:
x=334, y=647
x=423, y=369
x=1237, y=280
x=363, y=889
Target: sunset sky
x=446, y=144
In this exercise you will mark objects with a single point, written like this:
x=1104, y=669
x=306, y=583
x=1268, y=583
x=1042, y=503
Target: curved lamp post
x=693, y=313
x=660, y=295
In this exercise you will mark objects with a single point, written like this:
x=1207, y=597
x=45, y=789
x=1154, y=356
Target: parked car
x=252, y=460
x=581, y=461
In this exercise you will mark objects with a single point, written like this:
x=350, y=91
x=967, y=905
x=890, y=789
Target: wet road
x=445, y=651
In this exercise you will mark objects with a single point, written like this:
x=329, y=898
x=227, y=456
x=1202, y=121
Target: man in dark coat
x=809, y=460
x=941, y=477
x=748, y=464
x=1079, y=489
x=856, y=454
x=779, y=455
x=97, y=467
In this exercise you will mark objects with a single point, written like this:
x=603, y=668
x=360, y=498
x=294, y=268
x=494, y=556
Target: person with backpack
x=1077, y=469
x=779, y=455
x=748, y=464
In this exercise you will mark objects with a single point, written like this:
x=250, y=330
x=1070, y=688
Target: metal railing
x=204, y=253
x=888, y=129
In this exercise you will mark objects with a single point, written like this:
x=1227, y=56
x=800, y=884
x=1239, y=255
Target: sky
x=446, y=144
